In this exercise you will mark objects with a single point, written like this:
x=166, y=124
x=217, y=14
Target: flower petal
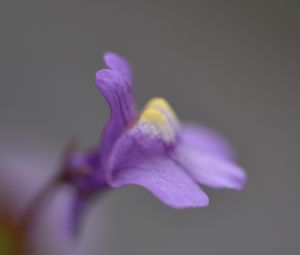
x=207, y=140
x=152, y=135
x=140, y=157
x=51, y=232
x=164, y=179
x=210, y=169
x=22, y=176
x=116, y=62
x=24, y=172
x=115, y=85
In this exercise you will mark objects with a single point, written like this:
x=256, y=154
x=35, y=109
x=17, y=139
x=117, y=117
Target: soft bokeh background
x=233, y=65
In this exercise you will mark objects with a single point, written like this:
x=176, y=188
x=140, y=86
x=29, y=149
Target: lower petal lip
x=166, y=180
x=209, y=169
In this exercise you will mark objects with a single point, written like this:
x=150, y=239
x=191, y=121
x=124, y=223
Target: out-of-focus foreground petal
x=53, y=231
x=24, y=173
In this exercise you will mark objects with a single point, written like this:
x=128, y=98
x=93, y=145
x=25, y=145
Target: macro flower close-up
x=152, y=148
x=149, y=127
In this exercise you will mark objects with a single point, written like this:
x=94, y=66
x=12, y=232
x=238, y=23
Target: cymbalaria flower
x=152, y=148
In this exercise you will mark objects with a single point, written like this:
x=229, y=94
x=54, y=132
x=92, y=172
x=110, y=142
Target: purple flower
x=152, y=148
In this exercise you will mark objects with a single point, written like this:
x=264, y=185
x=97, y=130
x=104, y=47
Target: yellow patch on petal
x=159, y=119
x=164, y=106
x=154, y=116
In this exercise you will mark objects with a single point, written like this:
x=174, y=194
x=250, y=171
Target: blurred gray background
x=233, y=65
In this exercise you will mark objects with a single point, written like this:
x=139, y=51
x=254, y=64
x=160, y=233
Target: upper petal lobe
x=115, y=84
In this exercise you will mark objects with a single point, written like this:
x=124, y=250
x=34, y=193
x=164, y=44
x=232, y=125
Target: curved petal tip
x=116, y=62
